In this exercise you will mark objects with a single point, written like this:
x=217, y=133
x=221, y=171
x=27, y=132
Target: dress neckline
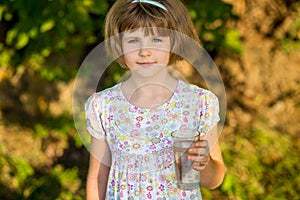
x=152, y=107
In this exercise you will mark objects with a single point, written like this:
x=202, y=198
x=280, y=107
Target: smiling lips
x=146, y=64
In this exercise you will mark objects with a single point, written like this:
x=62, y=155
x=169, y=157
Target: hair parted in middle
x=126, y=15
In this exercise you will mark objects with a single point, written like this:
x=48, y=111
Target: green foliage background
x=42, y=46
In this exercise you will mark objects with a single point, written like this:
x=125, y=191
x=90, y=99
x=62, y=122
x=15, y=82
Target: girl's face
x=146, y=55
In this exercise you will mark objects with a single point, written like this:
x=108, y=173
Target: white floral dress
x=140, y=139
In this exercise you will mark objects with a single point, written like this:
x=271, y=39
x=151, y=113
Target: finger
x=198, y=151
x=199, y=159
x=199, y=168
x=202, y=165
x=201, y=144
x=204, y=147
x=200, y=148
x=195, y=151
x=194, y=159
x=204, y=160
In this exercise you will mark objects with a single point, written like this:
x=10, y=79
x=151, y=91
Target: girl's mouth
x=146, y=64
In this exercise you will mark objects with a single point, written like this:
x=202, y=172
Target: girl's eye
x=133, y=41
x=157, y=40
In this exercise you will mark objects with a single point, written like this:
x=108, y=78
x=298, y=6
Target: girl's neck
x=150, y=84
x=150, y=91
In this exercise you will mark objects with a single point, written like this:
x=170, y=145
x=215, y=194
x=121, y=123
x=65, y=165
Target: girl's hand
x=199, y=154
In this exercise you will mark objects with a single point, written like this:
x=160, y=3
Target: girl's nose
x=145, y=51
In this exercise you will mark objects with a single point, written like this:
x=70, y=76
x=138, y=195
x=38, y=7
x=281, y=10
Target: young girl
x=131, y=123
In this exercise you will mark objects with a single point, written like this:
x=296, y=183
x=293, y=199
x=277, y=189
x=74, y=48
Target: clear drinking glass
x=187, y=177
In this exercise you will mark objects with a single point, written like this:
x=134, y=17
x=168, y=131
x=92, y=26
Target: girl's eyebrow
x=130, y=37
x=138, y=37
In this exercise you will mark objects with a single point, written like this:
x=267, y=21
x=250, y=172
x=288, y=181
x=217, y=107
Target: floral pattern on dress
x=140, y=139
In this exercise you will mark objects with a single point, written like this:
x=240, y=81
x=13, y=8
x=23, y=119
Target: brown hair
x=125, y=15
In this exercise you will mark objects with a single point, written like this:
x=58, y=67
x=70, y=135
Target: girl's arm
x=213, y=174
x=98, y=170
x=213, y=171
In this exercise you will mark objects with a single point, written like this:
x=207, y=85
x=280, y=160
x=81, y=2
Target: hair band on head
x=155, y=3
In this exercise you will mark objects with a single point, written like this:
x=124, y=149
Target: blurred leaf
x=22, y=41
x=291, y=39
x=11, y=35
x=232, y=41
x=23, y=170
x=47, y=25
x=41, y=131
x=2, y=8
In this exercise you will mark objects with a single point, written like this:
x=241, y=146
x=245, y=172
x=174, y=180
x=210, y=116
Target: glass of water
x=187, y=177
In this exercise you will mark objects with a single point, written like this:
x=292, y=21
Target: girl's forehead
x=135, y=32
x=145, y=32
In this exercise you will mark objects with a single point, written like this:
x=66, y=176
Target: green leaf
x=23, y=169
x=33, y=32
x=22, y=41
x=228, y=183
x=41, y=131
x=8, y=16
x=2, y=9
x=11, y=35
x=232, y=40
x=47, y=25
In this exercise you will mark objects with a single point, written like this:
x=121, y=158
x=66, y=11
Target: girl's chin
x=148, y=71
x=148, y=66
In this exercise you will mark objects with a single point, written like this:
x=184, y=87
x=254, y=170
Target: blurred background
x=254, y=43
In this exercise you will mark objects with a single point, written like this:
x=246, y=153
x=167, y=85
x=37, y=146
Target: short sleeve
x=209, y=112
x=93, y=117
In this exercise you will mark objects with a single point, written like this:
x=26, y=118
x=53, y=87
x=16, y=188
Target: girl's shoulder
x=189, y=88
x=106, y=94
